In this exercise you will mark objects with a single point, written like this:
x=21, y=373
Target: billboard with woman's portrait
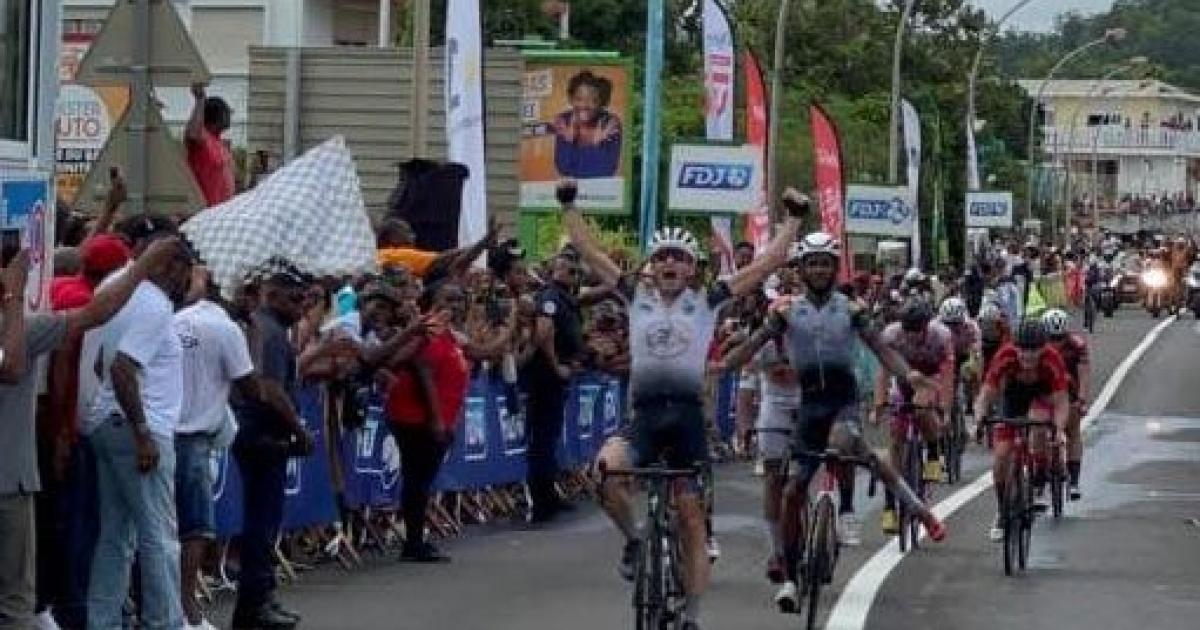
x=575, y=123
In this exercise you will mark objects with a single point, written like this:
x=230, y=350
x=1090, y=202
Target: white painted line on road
x=854, y=604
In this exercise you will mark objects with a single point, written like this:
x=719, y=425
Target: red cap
x=69, y=293
x=104, y=254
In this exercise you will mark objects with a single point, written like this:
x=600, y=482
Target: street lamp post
x=972, y=82
x=774, y=116
x=893, y=126
x=1112, y=35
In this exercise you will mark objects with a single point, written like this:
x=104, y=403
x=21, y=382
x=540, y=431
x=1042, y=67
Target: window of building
x=16, y=45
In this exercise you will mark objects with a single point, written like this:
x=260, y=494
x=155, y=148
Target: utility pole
x=775, y=115
x=420, y=101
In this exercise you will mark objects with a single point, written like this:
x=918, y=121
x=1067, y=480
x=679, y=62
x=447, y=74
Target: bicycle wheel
x=1058, y=486
x=1026, y=517
x=1089, y=313
x=911, y=525
x=1010, y=520
x=820, y=557
x=643, y=586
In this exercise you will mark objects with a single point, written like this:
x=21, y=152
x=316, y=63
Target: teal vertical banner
x=652, y=120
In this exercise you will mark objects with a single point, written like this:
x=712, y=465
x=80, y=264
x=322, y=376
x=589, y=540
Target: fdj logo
x=895, y=210
x=713, y=176
x=989, y=209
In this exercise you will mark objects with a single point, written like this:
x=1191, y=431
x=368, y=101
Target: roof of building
x=1120, y=88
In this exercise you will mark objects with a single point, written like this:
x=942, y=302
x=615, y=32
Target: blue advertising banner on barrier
x=489, y=449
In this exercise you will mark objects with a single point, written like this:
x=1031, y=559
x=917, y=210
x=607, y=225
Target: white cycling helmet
x=913, y=277
x=819, y=243
x=675, y=238
x=1056, y=322
x=953, y=311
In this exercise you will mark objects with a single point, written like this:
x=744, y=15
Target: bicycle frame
x=1016, y=509
x=658, y=595
x=911, y=455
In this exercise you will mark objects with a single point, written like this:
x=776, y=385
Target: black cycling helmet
x=915, y=314
x=1031, y=335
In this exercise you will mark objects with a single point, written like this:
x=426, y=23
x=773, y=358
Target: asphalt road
x=512, y=577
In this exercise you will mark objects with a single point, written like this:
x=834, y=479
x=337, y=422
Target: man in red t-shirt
x=1030, y=378
x=208, y=156
x=423, y=405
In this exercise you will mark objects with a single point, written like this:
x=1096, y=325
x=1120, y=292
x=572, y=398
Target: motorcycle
x=1107, y=298
x=1157, y=284
x=1193, y=289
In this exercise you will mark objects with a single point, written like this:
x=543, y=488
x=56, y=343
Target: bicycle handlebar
x=834, y=456
x=1019, y=422
x=651, y=472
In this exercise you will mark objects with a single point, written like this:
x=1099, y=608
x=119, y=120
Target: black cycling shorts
x=670, y=430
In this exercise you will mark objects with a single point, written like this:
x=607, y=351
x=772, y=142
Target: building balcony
x=1114, y=140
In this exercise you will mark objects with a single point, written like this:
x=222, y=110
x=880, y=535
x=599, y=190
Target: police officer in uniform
x=558, y=337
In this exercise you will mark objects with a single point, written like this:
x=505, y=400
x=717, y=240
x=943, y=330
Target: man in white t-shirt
x=216, y=357
x=131, y=425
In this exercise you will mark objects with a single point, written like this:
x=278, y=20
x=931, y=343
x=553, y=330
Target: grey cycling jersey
x=821, y=345
x=669, y=343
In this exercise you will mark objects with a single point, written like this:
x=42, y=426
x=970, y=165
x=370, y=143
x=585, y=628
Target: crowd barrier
x=489, y=450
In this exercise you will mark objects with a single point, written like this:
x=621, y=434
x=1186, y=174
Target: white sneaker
x=713, y=549
x=760, y=468
x=203, y=625
x=849, y=530
x=45, y=621
x=788, y=598
x=996, y=534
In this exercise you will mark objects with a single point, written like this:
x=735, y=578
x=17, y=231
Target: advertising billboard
x=576, y=124
x=84, y=118
x=880, y=211
x=708, y=178
x=990, y=209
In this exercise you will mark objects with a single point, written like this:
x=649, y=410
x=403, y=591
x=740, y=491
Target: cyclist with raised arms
x=928, y=347
x=670, y=329
x=820, y=329
x=1074, y=350
x=1030, y=379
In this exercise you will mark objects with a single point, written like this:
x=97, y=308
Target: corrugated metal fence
x=365, y=94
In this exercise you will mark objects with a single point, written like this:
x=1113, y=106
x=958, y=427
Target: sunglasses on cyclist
x=676, y=255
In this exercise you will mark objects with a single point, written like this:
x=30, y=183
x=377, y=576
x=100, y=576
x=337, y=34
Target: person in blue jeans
x=131, y=423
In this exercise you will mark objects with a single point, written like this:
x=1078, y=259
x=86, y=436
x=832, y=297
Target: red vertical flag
x=827, y=167
x=758, y=220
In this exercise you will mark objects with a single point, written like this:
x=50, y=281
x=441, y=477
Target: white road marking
x=854, y=604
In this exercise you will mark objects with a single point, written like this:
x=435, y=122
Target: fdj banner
x=990, y=209
x=715, y=178
x=880, y=211
x=573, y=125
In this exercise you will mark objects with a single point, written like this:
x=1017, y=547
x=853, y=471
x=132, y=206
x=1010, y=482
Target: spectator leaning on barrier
x=422, y=406
x=269, y=432
x=215, y=358
x=131, y=425
x=559, y=340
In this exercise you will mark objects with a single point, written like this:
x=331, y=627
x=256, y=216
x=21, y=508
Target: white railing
x=1085, y=138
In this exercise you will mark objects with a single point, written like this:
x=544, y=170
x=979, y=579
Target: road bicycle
x=954, y=437
x=658, y=595
x=1089, y=310
x=1017, y=510
x=912, y=458
x=819, y=543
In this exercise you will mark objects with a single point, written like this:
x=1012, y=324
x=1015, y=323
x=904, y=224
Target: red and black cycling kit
x=1020, y=388
x=1074, y=351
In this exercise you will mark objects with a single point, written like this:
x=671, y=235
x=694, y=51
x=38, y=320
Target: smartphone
x=11, y=244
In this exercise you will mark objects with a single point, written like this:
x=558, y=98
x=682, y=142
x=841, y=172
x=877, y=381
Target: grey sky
x=1040, y=14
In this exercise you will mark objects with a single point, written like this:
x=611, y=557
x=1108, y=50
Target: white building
x=1122, y=141
x=224, y=30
